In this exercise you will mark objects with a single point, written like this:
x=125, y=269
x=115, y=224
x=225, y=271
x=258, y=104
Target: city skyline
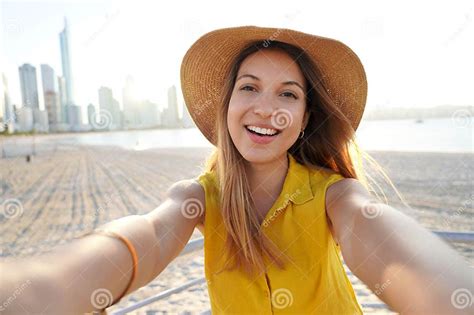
x=65, y=89
x=29, y=116
x=61, y=114
x=60, y=111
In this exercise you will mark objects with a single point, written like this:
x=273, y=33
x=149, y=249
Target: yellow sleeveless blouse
x=314, y=282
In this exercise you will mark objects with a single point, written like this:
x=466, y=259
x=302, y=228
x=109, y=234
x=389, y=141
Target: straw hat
x=207, y=63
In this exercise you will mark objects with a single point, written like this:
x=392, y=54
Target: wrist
x=141, y=234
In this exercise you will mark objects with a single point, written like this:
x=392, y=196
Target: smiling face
x=269, y=92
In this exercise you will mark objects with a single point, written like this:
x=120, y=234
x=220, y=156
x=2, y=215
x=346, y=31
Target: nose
x=263, y=105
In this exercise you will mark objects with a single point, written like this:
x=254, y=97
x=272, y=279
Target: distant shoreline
x=31, y=134
x=399, y=113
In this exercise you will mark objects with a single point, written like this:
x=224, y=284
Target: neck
x=266, y=179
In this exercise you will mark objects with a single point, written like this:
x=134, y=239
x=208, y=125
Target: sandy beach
x=67, y=190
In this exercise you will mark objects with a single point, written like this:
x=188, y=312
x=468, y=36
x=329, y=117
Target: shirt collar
x=297, y=185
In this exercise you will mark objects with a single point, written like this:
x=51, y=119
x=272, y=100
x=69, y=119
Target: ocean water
x=432, y=135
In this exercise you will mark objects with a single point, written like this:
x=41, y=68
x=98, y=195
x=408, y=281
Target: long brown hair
x=329, y=141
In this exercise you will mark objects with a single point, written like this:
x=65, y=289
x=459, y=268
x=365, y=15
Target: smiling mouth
x=261, y=134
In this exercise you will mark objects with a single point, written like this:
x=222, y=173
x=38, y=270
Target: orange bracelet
x=133, y=253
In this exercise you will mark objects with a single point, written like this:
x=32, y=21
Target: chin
x=261, y=155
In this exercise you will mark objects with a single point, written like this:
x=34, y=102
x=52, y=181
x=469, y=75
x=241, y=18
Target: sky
x=415, y=53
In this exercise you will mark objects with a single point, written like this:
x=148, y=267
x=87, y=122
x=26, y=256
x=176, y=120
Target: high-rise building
x=117, y=114
x=48, y=78
x=74, y=117
x=40, y=119
x=6, y=110
x=149, y=115
x=65, y=39
x=91, y=114
x=29, y=86
x=171, y=118
x=130, y=104
x=51, y=97
x=51, y=103
x=25, y=118
x=62, y=98
x=109, y=109
x=74, y=114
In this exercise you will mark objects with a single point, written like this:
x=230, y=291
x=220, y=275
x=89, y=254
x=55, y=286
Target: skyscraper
x=149, y=114
x=109, y=108
x=91, y=114
x=24, y=117
x=5, y=103
x=48, y=79
x=51, y=99
x=29, y=94
x=129, y=101
x=171, y=113
x=74, y=117
x=64, y=39
x=51, y=103
x=62, y=98
x=29, y=86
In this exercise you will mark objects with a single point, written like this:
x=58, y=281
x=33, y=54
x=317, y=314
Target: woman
x=279, y=200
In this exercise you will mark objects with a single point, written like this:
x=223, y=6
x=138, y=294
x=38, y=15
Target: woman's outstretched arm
x=90, y=272
x=408, y=267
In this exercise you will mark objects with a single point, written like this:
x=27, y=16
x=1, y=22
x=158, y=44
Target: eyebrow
x=284, y=83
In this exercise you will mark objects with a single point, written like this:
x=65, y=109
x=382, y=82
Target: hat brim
x=206, y=64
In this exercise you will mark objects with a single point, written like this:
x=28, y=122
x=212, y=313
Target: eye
x=290, y=95
x=244, y=88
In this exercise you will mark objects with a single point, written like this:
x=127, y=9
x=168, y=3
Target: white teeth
x=263, y=131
